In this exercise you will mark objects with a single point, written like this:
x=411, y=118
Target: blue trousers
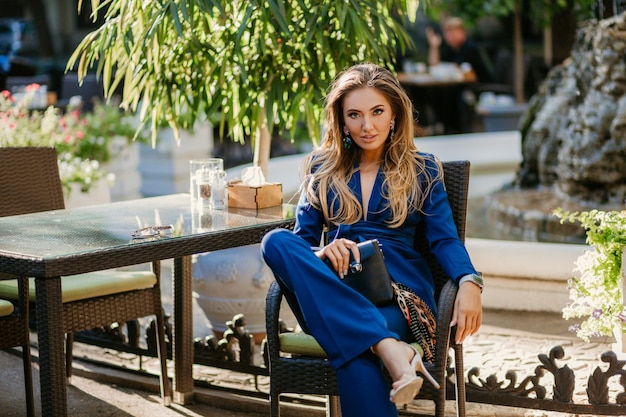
x=344, y=322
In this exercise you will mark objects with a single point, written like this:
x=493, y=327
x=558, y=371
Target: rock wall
x=574, y=131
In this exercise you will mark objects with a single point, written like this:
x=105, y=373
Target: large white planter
x=99, y=193
x=164, y=169
x=124, y=164
x=232, y=281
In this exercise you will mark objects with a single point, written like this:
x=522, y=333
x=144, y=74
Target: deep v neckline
x=373, y=198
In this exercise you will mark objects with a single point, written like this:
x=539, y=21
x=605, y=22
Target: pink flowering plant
x=596, y=291
x=82, y=140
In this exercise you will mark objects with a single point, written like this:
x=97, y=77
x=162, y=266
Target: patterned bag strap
x=420, y=318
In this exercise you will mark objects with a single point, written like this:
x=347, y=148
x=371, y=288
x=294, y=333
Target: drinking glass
x=200, y=173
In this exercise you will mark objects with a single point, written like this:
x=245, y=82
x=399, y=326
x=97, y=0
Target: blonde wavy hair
x=330, y=166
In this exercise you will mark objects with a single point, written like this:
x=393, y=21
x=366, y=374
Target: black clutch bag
x=370, y=277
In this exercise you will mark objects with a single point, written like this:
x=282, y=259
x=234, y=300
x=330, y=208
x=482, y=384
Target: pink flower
x=32, y=87
x=67, y=139
x=8, y=96
x=80, y=134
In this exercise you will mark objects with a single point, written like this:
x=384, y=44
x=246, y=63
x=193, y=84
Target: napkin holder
x=242, y=195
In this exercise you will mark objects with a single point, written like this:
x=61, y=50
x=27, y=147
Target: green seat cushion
x=89, y=285
x=304, y=344
x=301, y=344
x=6, y=308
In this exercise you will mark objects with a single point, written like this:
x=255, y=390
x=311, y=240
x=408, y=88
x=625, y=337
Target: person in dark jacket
x=454, y=46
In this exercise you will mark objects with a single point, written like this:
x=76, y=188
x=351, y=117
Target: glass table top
x=109, y=226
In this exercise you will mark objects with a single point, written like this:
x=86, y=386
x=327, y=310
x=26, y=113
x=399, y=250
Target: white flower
x=596, y=290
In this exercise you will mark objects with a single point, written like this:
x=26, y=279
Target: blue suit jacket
x=404, y=263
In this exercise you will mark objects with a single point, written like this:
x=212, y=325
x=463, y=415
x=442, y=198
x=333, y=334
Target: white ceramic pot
x=164, y=169
x=232, y=281
x=99, y=193
x=124, y=165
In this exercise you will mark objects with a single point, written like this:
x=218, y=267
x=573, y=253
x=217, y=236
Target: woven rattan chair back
x=307, y=375
x=29, y=183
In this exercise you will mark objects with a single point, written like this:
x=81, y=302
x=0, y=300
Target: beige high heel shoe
x=404, y=393
x=418, y=365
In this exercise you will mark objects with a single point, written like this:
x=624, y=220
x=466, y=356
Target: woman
x=368, y=181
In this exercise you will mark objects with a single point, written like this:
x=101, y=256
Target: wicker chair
x=14, y=332
x=38, y=188
x=297, y=364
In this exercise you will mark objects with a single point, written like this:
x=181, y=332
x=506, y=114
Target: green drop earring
x=346, y=140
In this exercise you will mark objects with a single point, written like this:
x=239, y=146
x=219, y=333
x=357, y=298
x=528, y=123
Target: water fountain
x=573, y=140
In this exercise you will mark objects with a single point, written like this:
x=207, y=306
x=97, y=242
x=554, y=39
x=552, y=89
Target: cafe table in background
x=432, y=89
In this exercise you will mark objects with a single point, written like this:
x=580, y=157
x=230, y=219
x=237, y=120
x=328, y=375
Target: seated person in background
x=457, y=48
x=451, y=108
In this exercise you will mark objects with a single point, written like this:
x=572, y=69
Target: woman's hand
x=338, y=253
x=468, y=311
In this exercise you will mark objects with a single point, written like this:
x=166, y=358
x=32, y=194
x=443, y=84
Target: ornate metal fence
x=530, y=391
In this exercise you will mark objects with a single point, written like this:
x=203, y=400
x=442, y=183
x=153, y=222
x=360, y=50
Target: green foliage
x=180, y=60
x=596, y=294
x=539, y=10
x=107, y=120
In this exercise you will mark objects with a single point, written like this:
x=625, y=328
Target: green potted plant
x=256, y=65
x=106, y=123
x=596, y=292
